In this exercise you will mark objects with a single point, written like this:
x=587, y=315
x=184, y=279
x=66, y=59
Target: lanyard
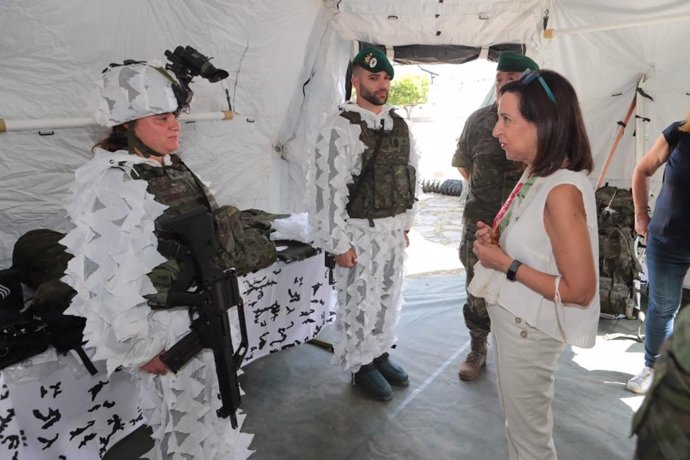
x=503, y=217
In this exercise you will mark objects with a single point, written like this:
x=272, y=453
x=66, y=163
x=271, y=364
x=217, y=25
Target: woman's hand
x=155, y=366
x=347, y=259
x=484, y=232
x=491, y=255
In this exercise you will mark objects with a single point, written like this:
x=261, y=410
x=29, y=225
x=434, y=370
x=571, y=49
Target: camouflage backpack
x=245, y=248
x=618, y=264
x=40, y=261
x=245, y=237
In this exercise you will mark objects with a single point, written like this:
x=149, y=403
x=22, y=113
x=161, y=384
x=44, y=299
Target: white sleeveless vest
x=526, y=239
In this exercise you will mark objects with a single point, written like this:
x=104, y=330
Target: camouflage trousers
x=474, y=310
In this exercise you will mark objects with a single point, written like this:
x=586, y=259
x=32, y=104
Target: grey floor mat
x=302, y=407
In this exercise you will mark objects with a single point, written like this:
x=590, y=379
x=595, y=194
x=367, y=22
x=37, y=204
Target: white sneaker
x=642, y=381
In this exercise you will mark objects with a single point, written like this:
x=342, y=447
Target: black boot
x=370, y=380
x=393, y=373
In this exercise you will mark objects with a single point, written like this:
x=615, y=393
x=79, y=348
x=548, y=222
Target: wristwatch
x=512, y=270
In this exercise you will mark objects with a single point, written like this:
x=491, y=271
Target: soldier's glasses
x=528, y=76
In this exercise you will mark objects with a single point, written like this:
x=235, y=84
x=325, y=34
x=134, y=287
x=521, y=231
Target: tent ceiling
x=445, y=54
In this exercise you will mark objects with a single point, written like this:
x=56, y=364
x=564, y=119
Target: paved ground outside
x=435, y=235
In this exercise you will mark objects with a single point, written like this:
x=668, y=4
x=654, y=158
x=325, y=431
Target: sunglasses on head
x=528, y=76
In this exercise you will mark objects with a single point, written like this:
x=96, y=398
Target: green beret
x=373, y=60
x=511, y=62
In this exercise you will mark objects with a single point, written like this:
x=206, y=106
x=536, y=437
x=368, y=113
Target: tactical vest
x=385, y=187
x=176, y=185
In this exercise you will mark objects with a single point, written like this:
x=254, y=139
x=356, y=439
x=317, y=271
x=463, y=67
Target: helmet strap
x=135, y=145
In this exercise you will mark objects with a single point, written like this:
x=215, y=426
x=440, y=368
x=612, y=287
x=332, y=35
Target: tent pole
x=640, y=124
x=618, y=138
x=57, y=123
x=552, y=33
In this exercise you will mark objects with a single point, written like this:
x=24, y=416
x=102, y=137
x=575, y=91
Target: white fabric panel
x=430, y=22
x=51, y=406
x=51, y=55
x=601, y=64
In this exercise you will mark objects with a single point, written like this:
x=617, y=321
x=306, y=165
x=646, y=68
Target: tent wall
x=52, y=53
x=287, y=62
x=605, y=66
x=391, y=23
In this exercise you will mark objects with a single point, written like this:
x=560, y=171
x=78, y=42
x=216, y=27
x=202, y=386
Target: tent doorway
x=454, y=92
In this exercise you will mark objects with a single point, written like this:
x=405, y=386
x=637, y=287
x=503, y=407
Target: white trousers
x=525, y=360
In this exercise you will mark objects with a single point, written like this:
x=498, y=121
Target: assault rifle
x=209, y=292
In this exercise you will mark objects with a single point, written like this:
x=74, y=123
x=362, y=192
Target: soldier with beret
x=363, y=179
x=490, y=177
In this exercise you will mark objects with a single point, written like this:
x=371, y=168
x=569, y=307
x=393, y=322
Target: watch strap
x=512, y=270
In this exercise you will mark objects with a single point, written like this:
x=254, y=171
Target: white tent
x=287, y=62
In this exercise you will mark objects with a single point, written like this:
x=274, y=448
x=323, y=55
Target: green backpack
x=41, y=261
x=619, y=267
x=244, y=235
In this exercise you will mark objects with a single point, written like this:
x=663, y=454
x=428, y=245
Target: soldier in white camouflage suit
x=490, y=177
x=117, y=271
x=364, y=180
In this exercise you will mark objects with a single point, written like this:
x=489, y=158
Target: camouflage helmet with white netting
x=134, y=90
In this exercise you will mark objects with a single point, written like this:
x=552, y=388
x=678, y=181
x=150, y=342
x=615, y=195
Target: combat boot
x=392, y=372
x=370, y=380
x=476, y=359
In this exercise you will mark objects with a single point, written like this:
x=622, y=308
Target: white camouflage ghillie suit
x=369, y=294
x=115, y=248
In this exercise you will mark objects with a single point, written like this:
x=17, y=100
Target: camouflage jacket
x=175, y=186
x=665, y=412
x=492, y=175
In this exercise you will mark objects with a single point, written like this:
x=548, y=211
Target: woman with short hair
x=537, y=264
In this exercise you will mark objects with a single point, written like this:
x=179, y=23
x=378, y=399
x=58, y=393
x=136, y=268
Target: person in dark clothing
x=666, y=232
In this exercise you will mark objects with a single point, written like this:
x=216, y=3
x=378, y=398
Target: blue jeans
x=666, y=269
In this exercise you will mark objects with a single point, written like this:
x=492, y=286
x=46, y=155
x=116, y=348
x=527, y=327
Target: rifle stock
x=216, y=291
